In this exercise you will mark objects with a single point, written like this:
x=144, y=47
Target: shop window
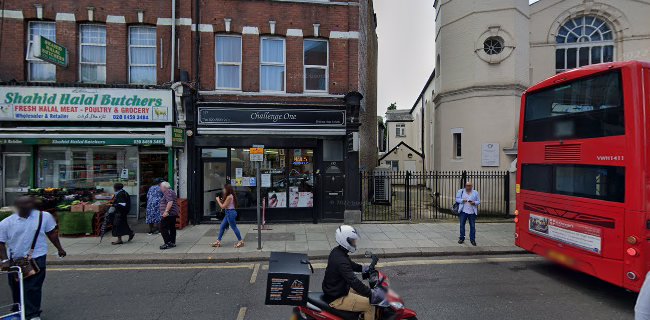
x=92, y=60
x=142, y=55
x=286, y=178
x=316, y=65
x=37, y=69
x=214, y=153
x=301, y=178
x=89, y=170
x=229, y=59
x=272, y=65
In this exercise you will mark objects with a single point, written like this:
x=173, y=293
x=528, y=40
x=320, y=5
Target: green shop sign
x=50, y=51
x=84, y=141
x=174, y=137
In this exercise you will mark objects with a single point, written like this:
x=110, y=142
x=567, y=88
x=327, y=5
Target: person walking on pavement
x=170, y=210
x=642, y=308
x=22, y=235
x=468, y=200
x=228, y=203
x=153, y=206
x=122, y=204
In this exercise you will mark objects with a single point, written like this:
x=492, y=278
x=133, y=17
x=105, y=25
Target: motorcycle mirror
x=368, y=254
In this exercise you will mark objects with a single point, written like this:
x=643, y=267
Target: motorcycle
x=391, y=308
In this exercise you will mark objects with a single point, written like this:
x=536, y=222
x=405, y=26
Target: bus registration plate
x=560, y=258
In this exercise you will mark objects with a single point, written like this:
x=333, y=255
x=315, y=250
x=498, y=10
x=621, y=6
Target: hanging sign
x=50, y=51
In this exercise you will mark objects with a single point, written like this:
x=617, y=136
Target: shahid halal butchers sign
x=85, y=104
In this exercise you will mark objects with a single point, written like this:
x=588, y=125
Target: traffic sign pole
x=257, y=156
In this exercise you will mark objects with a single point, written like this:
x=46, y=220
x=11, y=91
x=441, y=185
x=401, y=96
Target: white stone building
x=490, y=51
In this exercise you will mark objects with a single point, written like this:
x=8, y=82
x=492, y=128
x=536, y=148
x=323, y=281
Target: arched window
x=582, y=41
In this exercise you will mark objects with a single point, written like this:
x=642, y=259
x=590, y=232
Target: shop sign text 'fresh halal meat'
x=84, y=104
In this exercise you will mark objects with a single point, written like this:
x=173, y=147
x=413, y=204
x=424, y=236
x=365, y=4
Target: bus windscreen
x=585, y=108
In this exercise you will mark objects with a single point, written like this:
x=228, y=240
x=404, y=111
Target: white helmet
x=344, y=236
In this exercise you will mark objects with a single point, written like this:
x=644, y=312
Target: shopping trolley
x=14, y=311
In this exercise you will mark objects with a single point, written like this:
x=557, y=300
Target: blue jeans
x=33, y=289
x=472, y=226
x=229, y=219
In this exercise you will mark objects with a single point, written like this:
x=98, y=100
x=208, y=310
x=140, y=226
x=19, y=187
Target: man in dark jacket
x=122, y=204
x=342, y=288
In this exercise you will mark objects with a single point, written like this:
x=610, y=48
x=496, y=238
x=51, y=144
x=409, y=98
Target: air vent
x=566, y=152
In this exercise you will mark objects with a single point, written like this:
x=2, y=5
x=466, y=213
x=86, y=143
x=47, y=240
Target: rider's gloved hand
x=377, y=295
x=365, y=272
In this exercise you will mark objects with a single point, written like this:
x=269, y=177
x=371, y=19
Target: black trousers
x=168, y=229
x=33, y=289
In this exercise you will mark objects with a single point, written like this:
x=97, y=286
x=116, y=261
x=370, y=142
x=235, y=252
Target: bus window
x=586, y=108
x=585, y=181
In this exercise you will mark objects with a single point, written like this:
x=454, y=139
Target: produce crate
x=183, y=218
x=71, y=223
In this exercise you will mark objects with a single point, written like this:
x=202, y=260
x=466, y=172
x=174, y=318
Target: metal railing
x=405, y=195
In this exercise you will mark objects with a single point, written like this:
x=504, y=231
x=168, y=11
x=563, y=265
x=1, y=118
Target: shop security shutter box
x=288, y=279
x=381, y=186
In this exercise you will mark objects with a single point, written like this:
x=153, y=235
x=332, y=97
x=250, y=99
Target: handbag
x=455, y=208
x=26, y=264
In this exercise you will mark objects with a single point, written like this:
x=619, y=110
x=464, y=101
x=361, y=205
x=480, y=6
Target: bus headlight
x=631, y=275
x=632, y=240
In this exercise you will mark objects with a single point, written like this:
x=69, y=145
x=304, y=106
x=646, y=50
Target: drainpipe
x=172, y=65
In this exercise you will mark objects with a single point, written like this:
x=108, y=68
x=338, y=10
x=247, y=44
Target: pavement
x=316, y=240
x=469, y=288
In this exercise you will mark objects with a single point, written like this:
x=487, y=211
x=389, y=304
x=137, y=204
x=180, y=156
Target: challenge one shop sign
x=85, y=104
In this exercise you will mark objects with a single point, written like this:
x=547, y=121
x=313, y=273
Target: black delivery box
x=288, y=280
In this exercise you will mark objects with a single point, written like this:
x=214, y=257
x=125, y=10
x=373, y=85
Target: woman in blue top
x=228, y=203
x=153, y=206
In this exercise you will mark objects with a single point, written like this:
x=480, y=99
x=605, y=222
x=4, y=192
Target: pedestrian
x=22, y=235
x=122, y=204
x=642, y=308
x=170, y=210
x=153, y=206
x=468, y=200
x=228, y=203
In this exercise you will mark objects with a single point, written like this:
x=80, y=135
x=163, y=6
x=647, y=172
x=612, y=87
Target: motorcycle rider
x=342, y=289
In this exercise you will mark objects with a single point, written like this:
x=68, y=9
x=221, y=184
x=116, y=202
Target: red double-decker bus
x=583, y=171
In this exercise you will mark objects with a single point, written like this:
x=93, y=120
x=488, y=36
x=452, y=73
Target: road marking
x=139, y=268
x=242, y=313
x=255, y=271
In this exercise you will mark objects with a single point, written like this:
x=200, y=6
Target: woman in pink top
x=228, y=203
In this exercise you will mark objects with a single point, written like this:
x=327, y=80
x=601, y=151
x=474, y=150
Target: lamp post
x=352, y=214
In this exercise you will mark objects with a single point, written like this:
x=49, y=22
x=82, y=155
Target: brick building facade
x=224, y=58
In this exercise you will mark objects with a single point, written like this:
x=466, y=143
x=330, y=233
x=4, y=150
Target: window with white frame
x=37, y=69
x=393, y=164
x=458, y=145
x=229, y=59
x=583, y=41
x=400, y=130
x=272, y=65
x=92, y=60
x=316, y=65
x=142, y=55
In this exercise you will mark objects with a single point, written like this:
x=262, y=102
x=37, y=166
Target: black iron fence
x=398, y=195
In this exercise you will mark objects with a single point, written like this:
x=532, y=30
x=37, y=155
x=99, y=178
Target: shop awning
x=82, y=136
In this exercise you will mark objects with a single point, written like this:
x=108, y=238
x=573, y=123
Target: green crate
x=76, y=222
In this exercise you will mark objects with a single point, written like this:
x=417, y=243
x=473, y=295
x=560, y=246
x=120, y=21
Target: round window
x=493, y=45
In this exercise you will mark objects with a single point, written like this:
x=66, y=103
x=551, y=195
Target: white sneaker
x=37, y=318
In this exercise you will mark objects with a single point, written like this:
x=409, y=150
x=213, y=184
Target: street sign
x=257, y=153
x=50, y=51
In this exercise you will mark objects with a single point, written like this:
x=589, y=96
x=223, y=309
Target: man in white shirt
x=468, y=200
x=642, y=308
x=16, y=236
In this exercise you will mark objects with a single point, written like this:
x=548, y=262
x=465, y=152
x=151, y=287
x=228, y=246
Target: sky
x=406, y=31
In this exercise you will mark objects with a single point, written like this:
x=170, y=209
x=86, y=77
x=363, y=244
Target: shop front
x=71, y=145
x=303, y=166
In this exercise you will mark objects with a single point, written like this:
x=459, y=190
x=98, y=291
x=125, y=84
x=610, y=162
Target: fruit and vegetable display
x=63, y=199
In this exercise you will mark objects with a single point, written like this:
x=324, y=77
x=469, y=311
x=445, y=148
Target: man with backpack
x=468, y=200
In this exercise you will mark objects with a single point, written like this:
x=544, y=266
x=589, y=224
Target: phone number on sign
x=148, y=141
x=130, y=117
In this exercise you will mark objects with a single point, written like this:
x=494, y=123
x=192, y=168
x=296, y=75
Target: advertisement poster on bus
x=575, y=234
